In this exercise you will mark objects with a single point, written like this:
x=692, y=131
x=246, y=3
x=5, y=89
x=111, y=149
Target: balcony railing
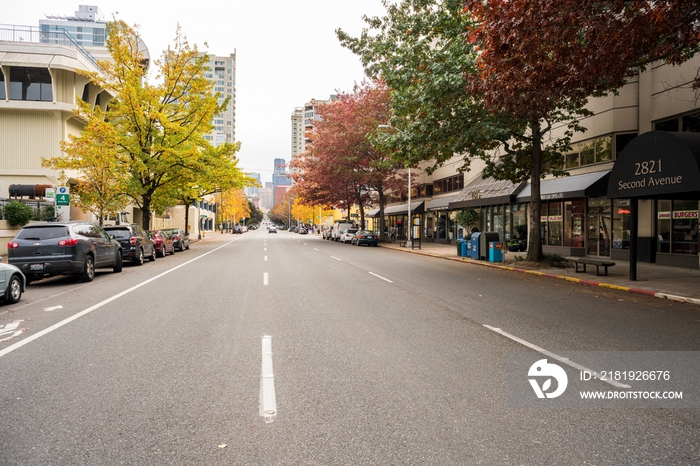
x=35, y=35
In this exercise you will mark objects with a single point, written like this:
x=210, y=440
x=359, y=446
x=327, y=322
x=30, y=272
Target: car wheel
x=188, y=246
x=182, y=247
x=152, y=257
x=162, y=252
x=117, y=262
x=14, y=290
x=172, y=251
x=89, y=270
x=139, y=258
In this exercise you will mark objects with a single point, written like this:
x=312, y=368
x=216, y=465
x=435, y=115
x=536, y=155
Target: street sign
x=62, y=199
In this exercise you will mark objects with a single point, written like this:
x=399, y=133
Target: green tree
x=159, y=128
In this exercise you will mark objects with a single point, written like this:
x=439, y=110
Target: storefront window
x=663, y=226
x=555, y=220
x=677, y=227
x=451, y=224
x=543, y=223
x=621, y=224
x=684, y=225
x=574, y=211
x=519, y=222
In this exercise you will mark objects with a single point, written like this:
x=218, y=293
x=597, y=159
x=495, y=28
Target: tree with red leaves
x=540, y=61
x=343, y=164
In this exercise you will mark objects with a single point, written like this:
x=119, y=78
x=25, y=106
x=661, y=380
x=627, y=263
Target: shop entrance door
x=599, y=229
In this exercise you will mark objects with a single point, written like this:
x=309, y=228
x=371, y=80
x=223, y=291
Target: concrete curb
x=648, y=293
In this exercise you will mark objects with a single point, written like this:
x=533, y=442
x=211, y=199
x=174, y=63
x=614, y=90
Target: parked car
x=338, y=229
x=272, y=229
x=181, y=240
x=162, y=242
x=136, y=243
x=365, y=237
x=237, y=229
x=12, y=283
x=347, y=234
x=327, y=233
x=52, y=248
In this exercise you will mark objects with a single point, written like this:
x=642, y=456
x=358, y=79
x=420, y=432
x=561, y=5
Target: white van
x=339, y=228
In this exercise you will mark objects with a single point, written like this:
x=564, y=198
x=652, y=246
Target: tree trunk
x=534, y=250
x=146, y=213
x=382, y=203
x=187, y=215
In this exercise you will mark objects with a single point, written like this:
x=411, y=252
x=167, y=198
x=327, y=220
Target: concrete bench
x=598, y=264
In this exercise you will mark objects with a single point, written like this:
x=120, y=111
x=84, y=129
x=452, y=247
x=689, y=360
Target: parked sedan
x=347, y=234
x=181, y=240
x=162, y=242
x=12, y=283
x=52, y=248
x=136, y=243
x=365, y=237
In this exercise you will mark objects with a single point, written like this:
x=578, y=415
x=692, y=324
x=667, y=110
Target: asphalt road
x=373, y=357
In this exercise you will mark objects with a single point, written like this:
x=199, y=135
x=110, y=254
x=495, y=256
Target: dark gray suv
x=136, y=243
x=44, y=249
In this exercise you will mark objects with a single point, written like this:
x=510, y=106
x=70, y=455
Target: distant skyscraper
x=302, y=120
x=252, y=192
x=280, y=176
x=222, y=72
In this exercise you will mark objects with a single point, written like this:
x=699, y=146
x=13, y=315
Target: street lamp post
x=410, y=220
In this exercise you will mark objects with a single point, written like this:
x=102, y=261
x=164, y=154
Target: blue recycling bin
x=495, y=253
x=476, y=249
x=464, y=249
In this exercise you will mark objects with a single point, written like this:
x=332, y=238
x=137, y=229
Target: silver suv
x=44, y=249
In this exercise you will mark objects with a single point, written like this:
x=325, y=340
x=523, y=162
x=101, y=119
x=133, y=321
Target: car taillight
x=68, y=242
x=133, y=240
x=12, y=245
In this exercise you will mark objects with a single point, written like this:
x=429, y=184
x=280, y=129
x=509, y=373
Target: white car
x=12, y=283
x=347, y=234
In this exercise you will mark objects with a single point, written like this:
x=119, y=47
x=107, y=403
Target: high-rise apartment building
x=252, y=191
x=280, y=176
x=302, y=120
x=222, y=72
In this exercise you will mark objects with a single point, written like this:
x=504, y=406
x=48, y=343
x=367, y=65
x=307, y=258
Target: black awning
x=486, y=191
x=658, y=165
x=569, y=187
x=402, y=209
x=372, y=213
x=441, y=203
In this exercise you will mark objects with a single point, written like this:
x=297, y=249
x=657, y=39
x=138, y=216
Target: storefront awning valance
x=567, y=187
x=416, y=208
x=486, y=191
x=441, y=203
x=658, y=165
x=372, y=213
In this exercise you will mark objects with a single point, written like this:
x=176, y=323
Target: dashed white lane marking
x=265, y=257
x=268, y=402
x=333, y=257
x=265, y=249
x=379, y=276
x=53, y=308
x=555, y=356
x=266, y=278
x=315, y=249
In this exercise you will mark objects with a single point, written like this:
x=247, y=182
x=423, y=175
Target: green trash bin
x=458, y=243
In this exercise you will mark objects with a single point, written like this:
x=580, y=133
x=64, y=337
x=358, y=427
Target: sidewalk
x=659, y=281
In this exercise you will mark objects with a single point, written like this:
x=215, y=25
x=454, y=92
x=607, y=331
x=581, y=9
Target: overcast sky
x=287, y=53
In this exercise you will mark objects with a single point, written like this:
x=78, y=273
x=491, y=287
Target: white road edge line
x=268, y=403
x=333, y=257
x=556, y=357
x=80, y=314
x=315, y=249
x=266, y=278
x=379, y=276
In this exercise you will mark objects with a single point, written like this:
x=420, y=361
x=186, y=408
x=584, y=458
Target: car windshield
x=43, y=233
